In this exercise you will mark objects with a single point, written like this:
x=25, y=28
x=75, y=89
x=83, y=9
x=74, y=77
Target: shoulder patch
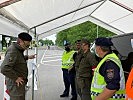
x=10, y=59
x=110, y=73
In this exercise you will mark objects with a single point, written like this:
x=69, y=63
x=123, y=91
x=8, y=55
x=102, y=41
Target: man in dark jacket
x=84, y=77
x=77, y=58
x=14, y=67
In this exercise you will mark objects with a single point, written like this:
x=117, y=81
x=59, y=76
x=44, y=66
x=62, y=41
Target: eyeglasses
x=27, y=46
x=84, y=44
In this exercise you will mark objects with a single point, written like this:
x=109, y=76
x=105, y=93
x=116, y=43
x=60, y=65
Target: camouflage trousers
x=17, y=97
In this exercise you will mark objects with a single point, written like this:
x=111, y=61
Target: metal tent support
x=34, y=65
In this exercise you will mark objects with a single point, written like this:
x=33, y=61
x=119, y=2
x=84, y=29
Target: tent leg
x=33, y=72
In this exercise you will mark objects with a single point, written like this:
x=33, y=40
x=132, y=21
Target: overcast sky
x=51, y=37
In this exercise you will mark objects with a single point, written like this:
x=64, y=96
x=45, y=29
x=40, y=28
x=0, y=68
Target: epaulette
x=107, y=60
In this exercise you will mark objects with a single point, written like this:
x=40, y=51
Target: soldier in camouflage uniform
x=77, y=58
x=14, y=67
x=84, y=76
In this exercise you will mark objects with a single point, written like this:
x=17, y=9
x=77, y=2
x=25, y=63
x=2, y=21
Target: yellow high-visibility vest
x=67, y=59
x=98, y=82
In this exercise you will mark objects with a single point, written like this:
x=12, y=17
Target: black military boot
x=64, y=95
x=74, y=98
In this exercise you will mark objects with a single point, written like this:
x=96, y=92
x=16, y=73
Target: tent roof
x=47, y=17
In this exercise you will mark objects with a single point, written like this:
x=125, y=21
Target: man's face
x=97, y=50
x=78, y=46
x=24, y=44
x=84, y=46
x=67, y=48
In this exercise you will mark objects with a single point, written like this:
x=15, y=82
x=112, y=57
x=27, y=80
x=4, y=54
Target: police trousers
x=69, y=79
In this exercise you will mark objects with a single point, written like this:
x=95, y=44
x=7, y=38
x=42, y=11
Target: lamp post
x=97, y=31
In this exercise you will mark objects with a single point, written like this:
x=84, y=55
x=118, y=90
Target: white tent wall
x=8, y=28
x=105, y=25
x=63, y=27
x=34, y=12
x=116, y=16
x=51, y=16
x=67, y=21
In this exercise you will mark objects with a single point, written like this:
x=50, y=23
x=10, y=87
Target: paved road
x=49, y=76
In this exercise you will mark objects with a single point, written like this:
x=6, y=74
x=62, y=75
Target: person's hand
x=19, y=81
x=32, y=56
x=69, y=69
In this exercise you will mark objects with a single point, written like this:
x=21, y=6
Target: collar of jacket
x=18, y=47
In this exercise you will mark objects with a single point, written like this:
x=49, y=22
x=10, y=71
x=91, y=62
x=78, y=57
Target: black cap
x=67, y=44
x=78, y=41
x=103, y=41
x=24, y=36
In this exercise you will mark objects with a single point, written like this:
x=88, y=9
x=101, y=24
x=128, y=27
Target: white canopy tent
x=51, y=16
x=47, y=17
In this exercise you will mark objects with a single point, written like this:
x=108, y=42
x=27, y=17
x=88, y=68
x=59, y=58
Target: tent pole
x=33, y=72
x=33, y=66
x=97, y=31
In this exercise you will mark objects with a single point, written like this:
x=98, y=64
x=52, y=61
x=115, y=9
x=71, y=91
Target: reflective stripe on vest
x=67, y=59
x=98, y=82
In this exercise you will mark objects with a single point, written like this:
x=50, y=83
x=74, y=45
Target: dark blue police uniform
x=111, y=73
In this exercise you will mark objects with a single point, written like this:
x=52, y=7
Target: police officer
x=84, y=76
x=14, y=67
x=108, y=81
x=68, y=72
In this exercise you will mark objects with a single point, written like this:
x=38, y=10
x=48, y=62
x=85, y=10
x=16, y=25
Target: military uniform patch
x=10, y=59
x=110, y=73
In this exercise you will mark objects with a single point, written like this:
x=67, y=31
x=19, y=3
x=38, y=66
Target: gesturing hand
x=19, y=81
x=32, y=56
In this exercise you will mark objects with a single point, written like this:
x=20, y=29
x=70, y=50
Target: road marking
x=47, y=55
x=52, y=56
x=51, y=64
x=43, y=56
x=51, y=60
x=38, y=65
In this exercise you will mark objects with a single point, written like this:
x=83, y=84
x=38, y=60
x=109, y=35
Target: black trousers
x=69, y=80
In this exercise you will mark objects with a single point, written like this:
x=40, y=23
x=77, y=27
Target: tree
x=46, y=42
x=86, y=30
